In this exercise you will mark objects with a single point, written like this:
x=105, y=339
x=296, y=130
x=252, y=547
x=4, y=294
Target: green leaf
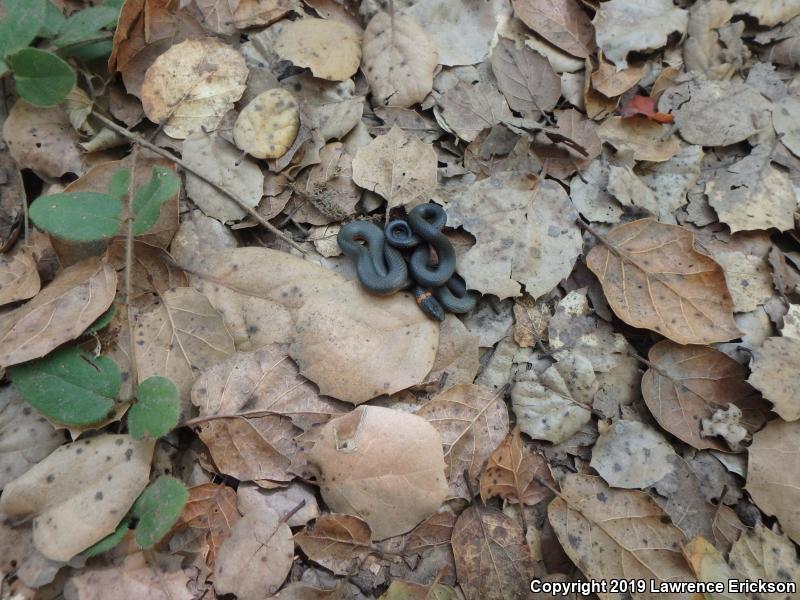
x=102, y=321
x=42, y=78
x=21, y=24
x=115, y=3
x=85, y=25
x=54, y=19
x=69, y=385
x=149, y=198
x=119, y=184
x=156, y=410
x=158, y=508
x=110, y=541
x=77, y=216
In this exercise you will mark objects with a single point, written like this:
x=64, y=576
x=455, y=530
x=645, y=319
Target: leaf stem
x=129, y=270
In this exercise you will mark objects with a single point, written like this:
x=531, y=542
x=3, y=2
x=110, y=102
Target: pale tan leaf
x=260, y=13
x=610, y=82
x=211, y=512
x=457, y=359
x=763, y=554
x=530, y=321
x=59, y=313
x=646, y=139
x=687, y=384
x=19, y=277
x=512, y=471
x=383, y=465
x=472, y=421
x=560, y=22
x=268, y=126
x=192, y=85
x=775, y=372
x=335, y=105
x=332, y=50
x=251, y=498
x=468, y=109
x=398, y=166
x=710, y=566
x=218, y=14
x=768, y=12
x=301, y=591
x=262, y=539
x=328, y=189
x=79, y=493
x=434, y=531
x=786, y=120
x=773, y=474
x=399, y=60
x=749, y=279
x=617, y=534
x=631, y=454
x=336, y=541
x=653, y=277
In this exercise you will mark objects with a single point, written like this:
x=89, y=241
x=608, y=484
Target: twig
x=129, y=269
x=185, y=166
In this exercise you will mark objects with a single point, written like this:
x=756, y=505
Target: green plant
x=42, y=76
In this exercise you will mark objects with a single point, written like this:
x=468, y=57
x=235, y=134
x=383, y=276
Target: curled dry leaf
x=399, y=60
x=561, y=22
x=398, y=166
x=617, y=534
x=525, y=77
x=264, y=380
x=686, y=384
x=631, y=454
x=383, y=465
x=337, y=542
x=268, y=126
x=773, y=474
x=512, y=471
x=472, y=421
x=645, y=139
x=493, y=560
x=79, y=493
x=332, y=50
x=192, y=85
x=653, y=277
x=19, y=277
x=262, y=539
x=59, y=313
x=211, y=512
x=776, y=374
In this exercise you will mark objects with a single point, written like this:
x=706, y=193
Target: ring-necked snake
x=382, y=269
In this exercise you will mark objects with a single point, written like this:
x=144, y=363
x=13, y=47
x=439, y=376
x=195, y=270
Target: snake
x=379, y=266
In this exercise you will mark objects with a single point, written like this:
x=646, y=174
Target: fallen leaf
x=301, y=591
x=513, y=246
x=622, y=27
x=702, y=51
x=775, y=373
x=337, y=542
x=687, y=384
x=220, y=161
x=630, y=191
x=630, y=454
x=768, y=12
x=256, y=538
x=407, y=590
x=511, y=473
x=671, y=180
x=710, y=566
x=611, y=83
x=493, y=561
x=57, y=314
x=42, y=139
x=785, y=114
x=644, y=105
x=645, y=139
x=748, y=278
x=71, y=496
x=211, y=512
x=773, y=473
x=530, y=321
x=560, y=22
x=763, y=554
x=398, y=166
x=192, y=85
x=589, y=194
x=555, y=405
x=472, y=421
x=251, y=498
x=268, y=126
x=328, y=189
x=617, y=534
x=525, y=77
x=468, y=109
x=19, y=277
x=457, y=358
x=653, y=277
x=383, y=465
x=334, y=105
x=398, y=60
x=332, y=50
x=260, y=13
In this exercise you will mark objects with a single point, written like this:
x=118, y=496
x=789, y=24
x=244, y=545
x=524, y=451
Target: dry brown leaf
x=192, y=85
x=256, y=539
x=775, y=373
x=434, y=531
x=457, y=359
x=337, y=542
x=631, y=454
x=42, y=139
x=525, y=77
x=251, y=498
x=749, y=279
x=617, y=534
x=709, y=565
x=264, y=380
x=493, y=561
x=687, y=384
x=473, y=421
x=512, y=471
x=332, y=50
x=328, y=187
x=646, y=139
x=610, y=82
x=653, y=277
x=267, y=127
x=399, y=60
x=59, y=313
x=530, y=321
x=560, y=22
x=773, y=474
x=79, y=493
x=152, y=271
x=179, y=337
x=211, y=512
x=335, y=106
x=301, y=591
x=760, y=553
x=558, y=159
x=398, y=166
x=383, y=465
x=19, y=277
x=768, y=12
x=526, y=234
x=468, y=109
x=260, y=13
x=218, y=14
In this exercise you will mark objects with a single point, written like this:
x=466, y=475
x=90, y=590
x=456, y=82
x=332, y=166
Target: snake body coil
x=380, y=267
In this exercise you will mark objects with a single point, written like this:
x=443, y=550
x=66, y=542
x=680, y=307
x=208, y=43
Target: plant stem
x=129, y=270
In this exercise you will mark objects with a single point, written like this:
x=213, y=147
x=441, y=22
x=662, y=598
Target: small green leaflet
x=102, y=321
x=156, y=410
x=119, y=184
x=77, y=216
x=149, y=198
x=157, y=508
x=86, y=25
x=110, y=541
x=42, y=78
x=69, y=386
x=53, y=20
x=20, y=25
